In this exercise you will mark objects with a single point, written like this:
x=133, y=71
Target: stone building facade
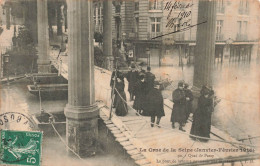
x=140, y=24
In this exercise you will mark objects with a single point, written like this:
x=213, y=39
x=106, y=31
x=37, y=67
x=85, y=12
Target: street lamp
x=229, y=41
x=148, y=55
x=6, y=61
x=123, y=41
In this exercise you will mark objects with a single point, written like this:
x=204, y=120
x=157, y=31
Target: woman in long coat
x=120, y=97
x=132, y=77
x=139, y=94
x=155, y=107
x=201, y=124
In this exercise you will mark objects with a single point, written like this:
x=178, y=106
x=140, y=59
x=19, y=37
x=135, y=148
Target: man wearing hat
x=178, y=110
x=149, y=79
x=189, y=98
x=131, y=77
x=155, y=106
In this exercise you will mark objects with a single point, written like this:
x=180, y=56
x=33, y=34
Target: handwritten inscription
x=183, y=18
x=176, y=5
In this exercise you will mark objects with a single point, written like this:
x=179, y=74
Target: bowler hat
x=180, y=83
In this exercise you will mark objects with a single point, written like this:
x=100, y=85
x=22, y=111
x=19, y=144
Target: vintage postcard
x=129, y=82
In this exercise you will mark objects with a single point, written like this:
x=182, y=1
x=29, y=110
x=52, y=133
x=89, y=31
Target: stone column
x=107, y=31
x=65, y=17
x=43, y=37
x=205, y=45
x=59, y=19
x=8, y=16
x=81, y=111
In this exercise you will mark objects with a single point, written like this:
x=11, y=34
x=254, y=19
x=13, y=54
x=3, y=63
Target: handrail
x=255, y=137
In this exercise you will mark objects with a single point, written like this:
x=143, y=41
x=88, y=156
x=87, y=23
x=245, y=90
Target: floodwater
x=16, y=98
x=236, y=84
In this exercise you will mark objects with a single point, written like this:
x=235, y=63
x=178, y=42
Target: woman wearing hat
x=132, y=77
x=139, y=94
x=120, y=97
x=202, y=116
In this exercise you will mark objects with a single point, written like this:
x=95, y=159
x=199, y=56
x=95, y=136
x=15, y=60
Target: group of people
x=148, y=100
x=182, y=98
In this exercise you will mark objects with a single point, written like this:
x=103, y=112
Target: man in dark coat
x=149, y=79
x=120, y=97
x=139, y=94
x=178, y=110
x=132, y=77
x=189, y=98
x=155, y=105
x=201, y=124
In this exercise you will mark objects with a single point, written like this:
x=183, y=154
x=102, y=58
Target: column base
x=82, y=129
x=44, y=66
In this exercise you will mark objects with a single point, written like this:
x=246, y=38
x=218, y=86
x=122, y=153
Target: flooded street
x=236, y=84
x=16, y=98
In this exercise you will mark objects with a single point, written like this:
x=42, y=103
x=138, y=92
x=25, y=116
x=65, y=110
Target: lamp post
x=148, y=55
x=123, y=42
x=6, y=61
x=229, y=41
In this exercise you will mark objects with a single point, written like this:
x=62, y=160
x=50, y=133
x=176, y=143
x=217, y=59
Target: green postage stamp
x=20, y=147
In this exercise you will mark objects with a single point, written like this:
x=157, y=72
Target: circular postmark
x=16, y=121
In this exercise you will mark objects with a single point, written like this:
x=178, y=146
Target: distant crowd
x=148, y=100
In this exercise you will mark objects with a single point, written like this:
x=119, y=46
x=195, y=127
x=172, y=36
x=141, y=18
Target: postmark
x=16, y=121
x=20, y=147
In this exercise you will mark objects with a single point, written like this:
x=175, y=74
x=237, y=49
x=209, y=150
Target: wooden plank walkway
x=153, y=146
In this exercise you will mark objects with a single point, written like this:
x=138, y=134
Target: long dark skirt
x=201, y=124
x=138, y=102
x=120, y=105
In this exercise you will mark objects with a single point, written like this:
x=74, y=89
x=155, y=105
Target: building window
x=242, y=30
x=155, y=25
x=243, y=7
x=220, y=6
x=118, y=8
x=136, y=25
x=95, y=14
x=219, y=26
x=155, y=5
x=136, y=6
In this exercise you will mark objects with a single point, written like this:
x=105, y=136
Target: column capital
x=81, y=112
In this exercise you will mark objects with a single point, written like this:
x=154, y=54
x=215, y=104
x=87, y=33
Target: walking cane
x=113, y=90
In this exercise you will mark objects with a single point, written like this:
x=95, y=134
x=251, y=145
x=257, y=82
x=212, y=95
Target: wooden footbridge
x=162, y=145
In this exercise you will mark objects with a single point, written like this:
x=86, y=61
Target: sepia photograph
x=130, y=82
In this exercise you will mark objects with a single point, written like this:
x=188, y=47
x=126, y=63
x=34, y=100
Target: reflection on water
x=236, y=84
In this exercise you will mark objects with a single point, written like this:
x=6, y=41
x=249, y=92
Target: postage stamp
x=20, y=147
